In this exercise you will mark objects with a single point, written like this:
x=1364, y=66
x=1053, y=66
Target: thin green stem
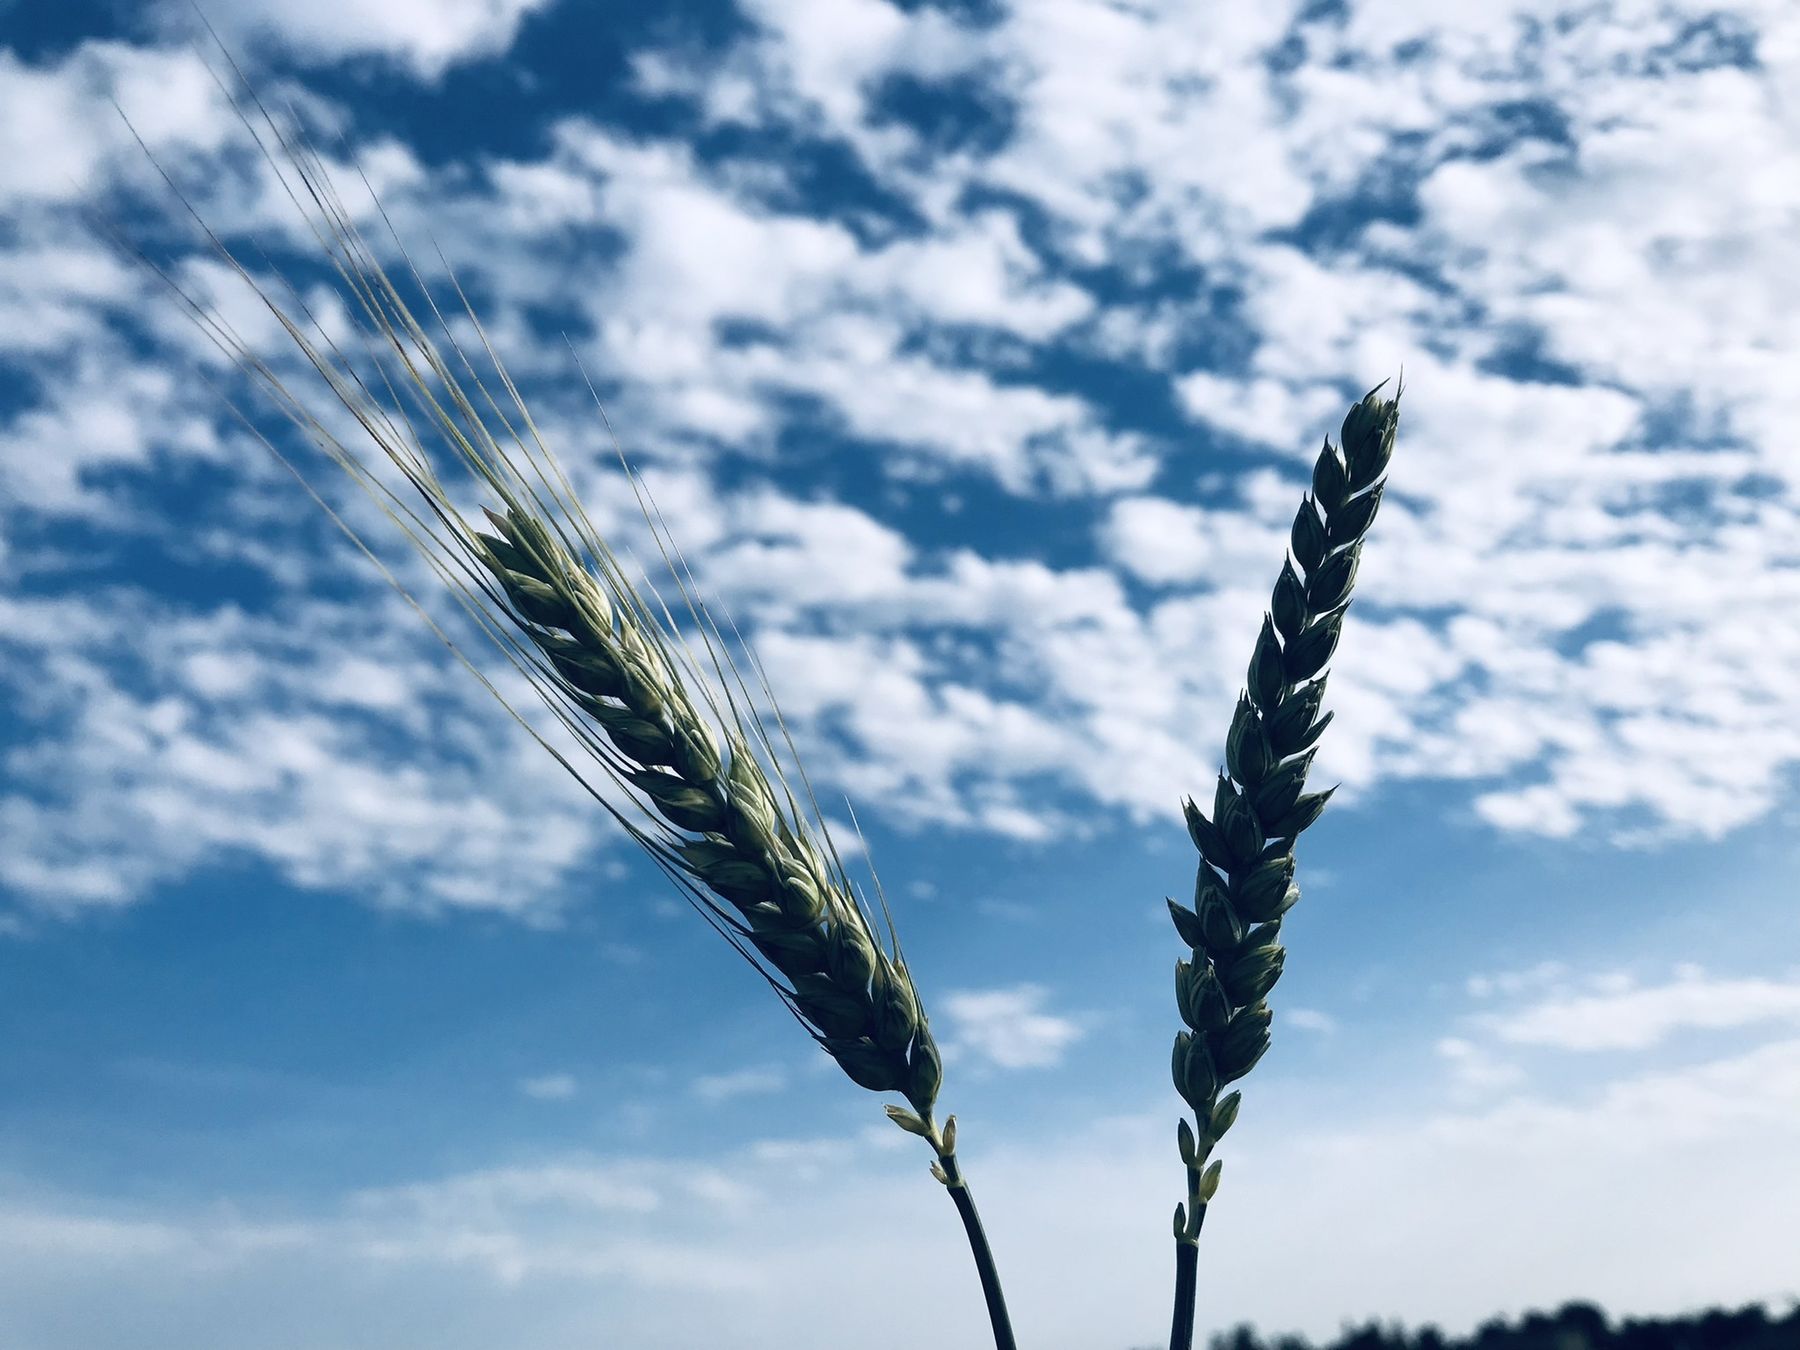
x=978, y=1248
x=1187, y=1267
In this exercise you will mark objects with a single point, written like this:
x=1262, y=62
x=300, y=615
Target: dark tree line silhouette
x=1575, y=1326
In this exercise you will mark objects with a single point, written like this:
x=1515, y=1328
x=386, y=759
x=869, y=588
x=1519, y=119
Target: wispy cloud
x=754, y=1081
x=427, y=42
x=550, y=1087
x=1310, y=1019
x=1633, y=1016
x=1513, y=982
x=1008, y=1028
x=1475, y=1071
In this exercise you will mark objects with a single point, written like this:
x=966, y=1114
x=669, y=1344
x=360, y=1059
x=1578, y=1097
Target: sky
x=976, y=355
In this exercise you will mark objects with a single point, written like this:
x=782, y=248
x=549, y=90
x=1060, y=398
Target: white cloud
x=59, y=133
x=1543, y=974
x=1474, y=1070
x=982, y=273
x=550, y=1087
x=701, y=248
x=628, y=1189
x=810, y=553
x=915, y=736
x=1636, y=1017
x=754, y=1081
x=52, y=286
x=1310, y=1019
x=1160, y=540
x=235, y=732
x=1264, y=410
x=1152, y=98
x=831, y=49
x=427, y=36
x=1007, y=1028
x=704, y=254
x=99, y=418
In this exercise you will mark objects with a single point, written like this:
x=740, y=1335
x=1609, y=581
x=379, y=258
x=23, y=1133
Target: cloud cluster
x=1568, y=603
x=167, y=742
x=1620, y=1013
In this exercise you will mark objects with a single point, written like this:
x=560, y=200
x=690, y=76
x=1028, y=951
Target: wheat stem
x=1187, y=1278
x=998, y=1319
x=1245, y=882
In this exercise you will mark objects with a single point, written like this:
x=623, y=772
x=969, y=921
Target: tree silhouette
x=1574, y=1326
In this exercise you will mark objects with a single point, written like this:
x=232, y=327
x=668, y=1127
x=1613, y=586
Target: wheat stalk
x=1245, y=884
x=719, y=816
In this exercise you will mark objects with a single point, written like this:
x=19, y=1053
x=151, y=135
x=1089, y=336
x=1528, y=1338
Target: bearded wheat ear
x=691, y=754
x=1246, y=879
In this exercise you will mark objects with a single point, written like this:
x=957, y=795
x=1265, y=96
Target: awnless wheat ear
x=687, y=764
x=1245, y=884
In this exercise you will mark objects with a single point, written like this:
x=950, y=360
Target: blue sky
x=976, y=354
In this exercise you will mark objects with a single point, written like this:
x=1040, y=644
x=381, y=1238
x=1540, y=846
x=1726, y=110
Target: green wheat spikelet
x=1245, y=884
x=731, y=828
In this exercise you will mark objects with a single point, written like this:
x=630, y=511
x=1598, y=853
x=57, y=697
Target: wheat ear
x=733, y=835
x=721, y=820
x=1246, y=876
